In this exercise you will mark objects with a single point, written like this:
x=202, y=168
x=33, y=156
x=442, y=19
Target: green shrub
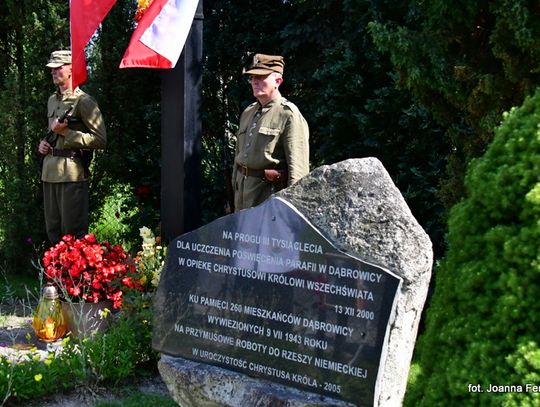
x=482, y=324
x=116, y=354
x=36, y=377
x=117, y=209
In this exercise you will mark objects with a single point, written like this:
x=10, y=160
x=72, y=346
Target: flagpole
x=181, y=128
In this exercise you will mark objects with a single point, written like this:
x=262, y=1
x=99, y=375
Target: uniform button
x=245, y=154
x=248, y=144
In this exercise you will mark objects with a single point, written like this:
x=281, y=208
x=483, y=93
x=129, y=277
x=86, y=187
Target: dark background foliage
x=467, y=63
x=341, y=83
x=419, y=85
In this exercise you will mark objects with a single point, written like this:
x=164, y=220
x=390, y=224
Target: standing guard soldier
x=76, y=128
x=272, y=146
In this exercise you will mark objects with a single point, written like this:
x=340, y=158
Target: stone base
x=193, y=384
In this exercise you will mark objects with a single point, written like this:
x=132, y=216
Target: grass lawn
x=141, y=400
x=18, y=286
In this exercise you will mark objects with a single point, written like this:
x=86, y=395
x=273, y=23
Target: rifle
x=61, y=119
x=51, y=137
x=85, y=155
x=229, y=190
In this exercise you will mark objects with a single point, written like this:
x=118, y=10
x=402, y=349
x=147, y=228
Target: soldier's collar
x=67, y=92
x=270, y=103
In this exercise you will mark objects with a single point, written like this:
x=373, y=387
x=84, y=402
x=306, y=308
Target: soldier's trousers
x=66, y=209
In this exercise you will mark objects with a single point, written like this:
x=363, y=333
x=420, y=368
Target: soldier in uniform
x=66, y=150
x=272, y=146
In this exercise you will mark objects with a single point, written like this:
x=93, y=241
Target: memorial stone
x=304, y=290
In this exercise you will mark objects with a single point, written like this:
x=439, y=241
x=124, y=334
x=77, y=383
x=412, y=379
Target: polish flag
x=85, y=16
x=159, y=38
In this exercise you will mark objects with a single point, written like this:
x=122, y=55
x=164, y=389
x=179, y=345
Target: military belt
x=250, y=172
x=66, y=152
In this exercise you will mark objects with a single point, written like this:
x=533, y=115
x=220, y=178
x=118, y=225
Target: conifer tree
x=482, y=322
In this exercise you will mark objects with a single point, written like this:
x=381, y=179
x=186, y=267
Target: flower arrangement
x=85, y=269
x=149, y=261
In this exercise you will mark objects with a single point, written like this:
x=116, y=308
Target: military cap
x=59, y=58
x=264, y=64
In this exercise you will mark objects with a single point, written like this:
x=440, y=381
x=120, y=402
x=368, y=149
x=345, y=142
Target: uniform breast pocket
x=51, y=114
x=270, y=137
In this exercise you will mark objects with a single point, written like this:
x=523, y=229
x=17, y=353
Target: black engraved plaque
x=263, y=292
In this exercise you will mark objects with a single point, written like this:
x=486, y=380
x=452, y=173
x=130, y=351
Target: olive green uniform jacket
x=65, y=185
x=272, y=136
x=90, y=133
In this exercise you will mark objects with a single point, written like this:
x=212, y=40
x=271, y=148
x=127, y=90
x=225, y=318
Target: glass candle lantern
x=49, y=323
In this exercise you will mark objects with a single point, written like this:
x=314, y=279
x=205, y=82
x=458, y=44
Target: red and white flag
x=159, y=38
x=85, y=16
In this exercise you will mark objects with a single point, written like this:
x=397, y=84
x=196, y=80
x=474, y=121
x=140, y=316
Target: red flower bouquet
x=87, y=270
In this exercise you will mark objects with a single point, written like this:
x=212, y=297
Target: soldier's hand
x=44, y=147
x=59, y=127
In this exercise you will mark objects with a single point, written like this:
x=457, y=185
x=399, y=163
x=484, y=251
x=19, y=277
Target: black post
x=181, y=137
